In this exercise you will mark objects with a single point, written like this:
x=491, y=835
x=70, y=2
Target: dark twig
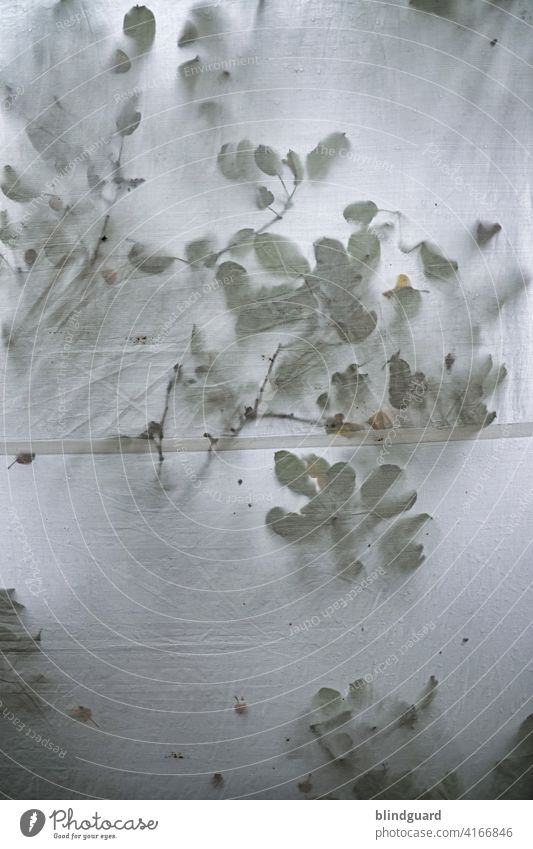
x=155, y=430
x=278, y=217
x=250, y=412
x=212, y=441
x=174, y=379
x=292, y=417
x=262, y=388
x=102, y=237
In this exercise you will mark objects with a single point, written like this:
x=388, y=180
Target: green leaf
x=62, y=247
x=406, y=299
x=234, y=159
x=234, y=280
x=364, y=247
x=361, y=212
x=292, y=472
x=513, y=776
x=128, y=118
x=340, y=481
x=279, y=255
x=139, y=24
x=189, y=34
x=294, y=162
x=428, y=693
x=317, y=467
x=7, y=236
x=329, y=711
x=399, y=382
x=264, y=197
x=328, y=703
x=268, y=161
x=485, y=232
x=51, y=133
x=398, y=543
x=230, y=273
x=15, y=188
x=321, y=158
x=376, y=492
x=242, y=241
x=356, y=323
x=291, y=526
x=121, y=62
x=334, y=265
x=435, y=264
x=271, y=306
x=338, y=745
x=198, y=251
x=356, y=691
x=8, y=603
x=149, y=263
x=189, y=70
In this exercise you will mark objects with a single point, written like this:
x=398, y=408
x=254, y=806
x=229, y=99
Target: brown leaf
x=379, y=421
x=347, y=428
x=23, y=458
x=337, y=424
x=82, y=714
x=240, y=706
x=109, y=276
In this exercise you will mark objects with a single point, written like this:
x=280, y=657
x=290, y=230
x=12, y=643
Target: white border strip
x=367, y=439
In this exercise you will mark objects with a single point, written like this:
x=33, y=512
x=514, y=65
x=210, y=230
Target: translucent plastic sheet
x=161, y=601
x=273, y=260
x=419, y=128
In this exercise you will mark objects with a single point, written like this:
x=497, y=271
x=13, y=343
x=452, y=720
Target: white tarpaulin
x=266, y=372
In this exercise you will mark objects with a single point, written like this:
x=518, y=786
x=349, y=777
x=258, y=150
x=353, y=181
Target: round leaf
x=267, y=160
x=361, y=212
x=279, y=255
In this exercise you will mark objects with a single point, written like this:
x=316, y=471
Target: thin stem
x=282, y=181
x=265, y=379
x=292, y=417
x=176, y=377
x=102, y=236
x=11, y=267
x=212, y=439
x=250, y=413
x=265, y=227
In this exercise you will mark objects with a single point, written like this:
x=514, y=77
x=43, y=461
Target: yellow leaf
x=402, y=282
